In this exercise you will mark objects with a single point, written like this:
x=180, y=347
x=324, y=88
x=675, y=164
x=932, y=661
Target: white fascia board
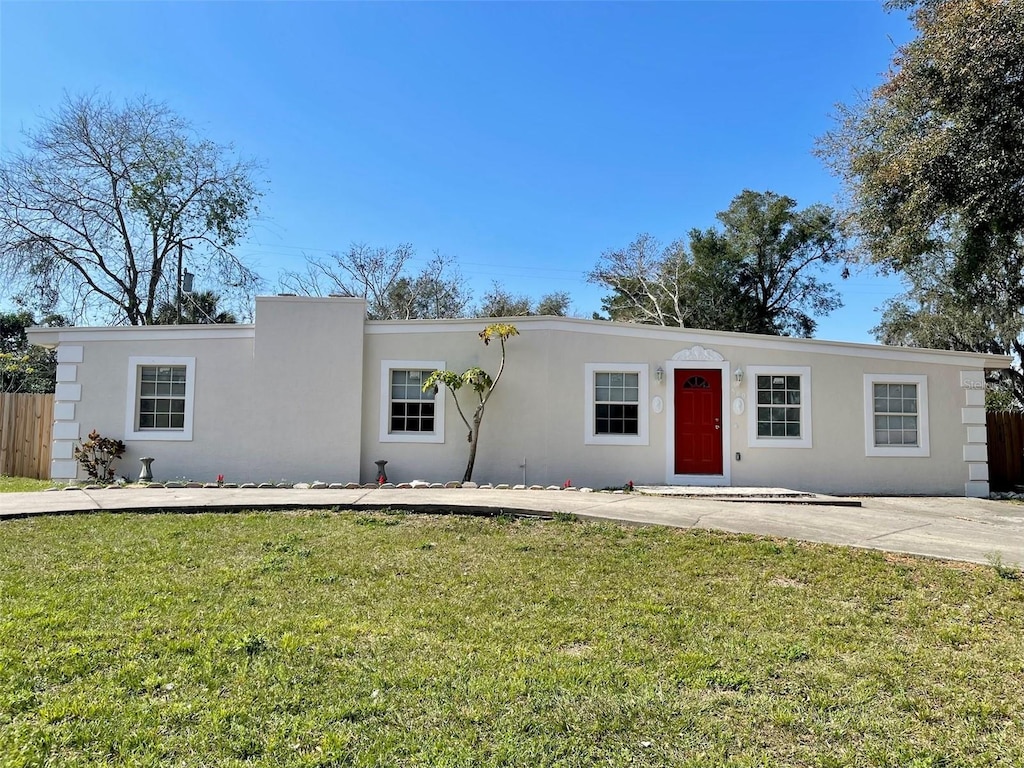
x=51, y=337
x=688, y=336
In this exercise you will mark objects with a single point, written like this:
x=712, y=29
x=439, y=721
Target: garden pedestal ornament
x=382, y=476
x=146, y=475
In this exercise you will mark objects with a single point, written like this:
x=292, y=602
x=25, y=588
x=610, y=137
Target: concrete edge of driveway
x=971, y=530
x=291, y=506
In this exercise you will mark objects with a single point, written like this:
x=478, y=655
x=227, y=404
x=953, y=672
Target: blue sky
x=523, y=139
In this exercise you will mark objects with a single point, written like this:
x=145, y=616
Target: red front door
x=698, y=406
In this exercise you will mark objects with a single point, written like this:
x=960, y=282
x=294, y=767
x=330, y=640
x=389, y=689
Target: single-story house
x=314, y=391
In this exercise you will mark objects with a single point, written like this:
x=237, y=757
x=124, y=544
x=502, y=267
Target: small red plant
x=220, y=479
x=629, y=485
x=380, y=480
x=567, y=484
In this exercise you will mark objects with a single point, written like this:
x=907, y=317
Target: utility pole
x=177, y=302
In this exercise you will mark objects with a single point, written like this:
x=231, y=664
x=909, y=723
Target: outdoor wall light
x=738, y=375
x=659, y=374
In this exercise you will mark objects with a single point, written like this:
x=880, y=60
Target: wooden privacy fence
x=1005, y=449
x=26, y=427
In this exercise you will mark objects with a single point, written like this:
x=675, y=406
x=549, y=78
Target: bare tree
x=95, y=215
x=646, y=280
x=381, y=276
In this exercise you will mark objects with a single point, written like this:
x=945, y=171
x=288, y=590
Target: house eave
x=694, y=335
x=51, y=337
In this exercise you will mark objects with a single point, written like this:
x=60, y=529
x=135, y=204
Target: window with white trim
x=412, y=409
x=616, y=404
x=160, y=398
x=896, y=415
x=408, y=414
x=781, y=406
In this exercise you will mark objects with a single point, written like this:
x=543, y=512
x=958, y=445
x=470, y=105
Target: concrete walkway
x=973, y=530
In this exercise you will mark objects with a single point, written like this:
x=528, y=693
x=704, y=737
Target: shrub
x=97, y=455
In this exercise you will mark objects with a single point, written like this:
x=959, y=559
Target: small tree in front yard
x=481, y=382
x=98, y=455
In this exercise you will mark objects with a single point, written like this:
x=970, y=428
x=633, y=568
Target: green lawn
x=344, y=639
x=20, y=484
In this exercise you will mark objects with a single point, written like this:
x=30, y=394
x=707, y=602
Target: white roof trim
x=695, y=337
x=684, y=337
x=51, y=337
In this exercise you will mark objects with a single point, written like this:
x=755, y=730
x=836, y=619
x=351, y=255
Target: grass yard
x=22, y=484
x=320, y=639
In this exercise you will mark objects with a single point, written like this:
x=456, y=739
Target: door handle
x=718, y=426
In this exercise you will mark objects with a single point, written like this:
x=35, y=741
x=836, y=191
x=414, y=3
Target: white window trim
x=131, y=430
x=922, y=449
x=386, y=436
x=590, y=437
x=757, y=441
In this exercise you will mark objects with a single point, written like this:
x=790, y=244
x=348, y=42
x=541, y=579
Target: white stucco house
x=314, y=391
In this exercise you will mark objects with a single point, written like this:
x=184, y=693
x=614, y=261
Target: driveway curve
x=971, y=530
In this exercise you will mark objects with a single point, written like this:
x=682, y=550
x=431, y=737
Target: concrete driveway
x=973, y=530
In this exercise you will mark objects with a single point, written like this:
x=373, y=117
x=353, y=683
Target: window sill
x=616, y=440
x=905, y=452
x=160, y=435
x=781, y=442
x=412, y=438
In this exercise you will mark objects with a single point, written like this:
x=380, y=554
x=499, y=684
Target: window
x=781, y=410
x=778, y=406
x=616, y=404
x=160, y=398
x=408, y=414
x=896, y=415
x=412, y=409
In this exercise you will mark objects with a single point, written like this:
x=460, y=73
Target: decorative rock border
x=318, y=485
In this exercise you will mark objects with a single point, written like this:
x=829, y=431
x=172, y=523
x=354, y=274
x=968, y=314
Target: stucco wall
x=283, y=404
x=537, y=417
x=222, y=403
x=298, y=397
x=307, y=415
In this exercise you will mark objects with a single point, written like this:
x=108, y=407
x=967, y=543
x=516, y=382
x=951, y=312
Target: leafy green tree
x=759, y=272
x=940, y=312
x=480, y=382
x=381, y=275
x=553, y=304
x=933, y=159
x=23, y=366
x=199, y=308
x=96, y=212
x=499, y=302
x=933, y=163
